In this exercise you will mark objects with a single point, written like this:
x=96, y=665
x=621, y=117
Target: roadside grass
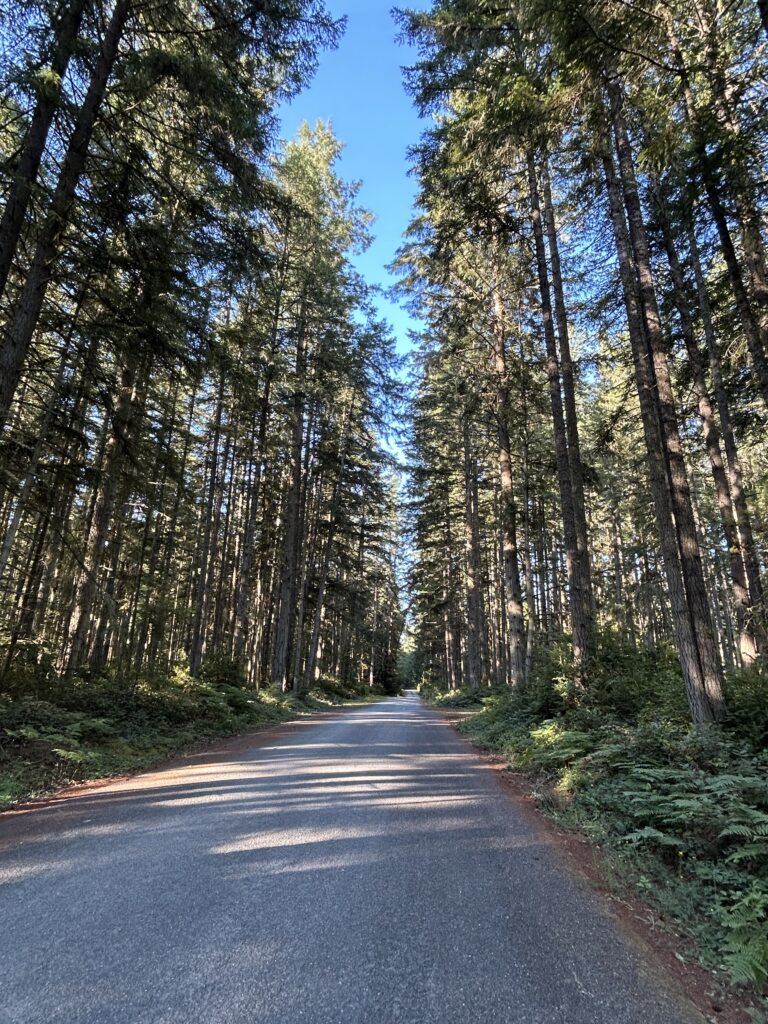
x=55, y=734
x=681, y=814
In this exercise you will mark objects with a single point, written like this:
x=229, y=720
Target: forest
x=226, y=499
x=588, y=488
x=195, y=385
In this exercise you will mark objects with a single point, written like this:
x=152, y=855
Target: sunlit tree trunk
x=579, y=601
x=699, y=701
x=511, y=567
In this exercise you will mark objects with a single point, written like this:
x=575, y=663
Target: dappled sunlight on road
x=371, y=847
x=350, y=770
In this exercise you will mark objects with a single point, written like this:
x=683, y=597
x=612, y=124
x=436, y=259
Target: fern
x=653, y=835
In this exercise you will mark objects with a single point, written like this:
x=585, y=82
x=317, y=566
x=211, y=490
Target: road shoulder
x=669, y=953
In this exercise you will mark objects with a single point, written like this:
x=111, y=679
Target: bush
x=683, y=811
x=461, y=698
x=747, y=703
x=336, y=689
x=54, y=734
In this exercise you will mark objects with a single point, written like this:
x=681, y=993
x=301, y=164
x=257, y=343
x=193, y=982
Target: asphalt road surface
x=366, y=868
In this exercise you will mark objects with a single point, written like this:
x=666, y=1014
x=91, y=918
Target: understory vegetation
x=587, y=447
x=197, y=509
x=222, y=500
x=89, y=729
x=193, y=411
x=682, y=813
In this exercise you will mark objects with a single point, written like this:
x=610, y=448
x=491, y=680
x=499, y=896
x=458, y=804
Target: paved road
x=362, y=869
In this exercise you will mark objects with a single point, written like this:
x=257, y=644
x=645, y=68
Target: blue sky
x=359, y=89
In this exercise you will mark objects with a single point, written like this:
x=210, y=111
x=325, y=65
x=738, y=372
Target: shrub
x=95, y=726
x=684, y=811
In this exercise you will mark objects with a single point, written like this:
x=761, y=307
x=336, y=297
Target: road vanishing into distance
x=364, y=867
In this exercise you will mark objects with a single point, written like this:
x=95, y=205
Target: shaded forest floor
x=678, y=818
x=70, y=733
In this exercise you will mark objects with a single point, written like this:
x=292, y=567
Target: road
x=366, y=868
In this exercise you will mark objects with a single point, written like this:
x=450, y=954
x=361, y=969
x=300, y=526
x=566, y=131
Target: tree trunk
x=569, y=402
x=249, y=540
x=690, y=555
x=26, y=310
x=202, y=590
x=578, y=599
x=711, y=434
x=471, y=541
x=527, y=562
x=325, y=566
x=127, y=410
x=735, y=478
x=511, y=568
x=702, y=709
x=291, y=539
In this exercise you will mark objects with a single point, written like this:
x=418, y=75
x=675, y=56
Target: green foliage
x=683, y=811
x=459, y=698
x=91, y=728
x=747, y=707
x=634, y=683
x=329, y=687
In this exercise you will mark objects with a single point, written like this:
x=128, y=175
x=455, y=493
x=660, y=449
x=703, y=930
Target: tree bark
x=471, y=566
x=569, y=403
x=26, y=170
x=291, y=539
x=690, y=554
x=578, y=599
x=202, y=590
x=699, y=700
x=735, y=478
x=26, y=310
x=317, y=621
x=127, y=410
x=249, y=540
x=711, y=434
x=511, y=567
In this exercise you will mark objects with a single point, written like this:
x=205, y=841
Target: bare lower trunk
x=529, y=595
x=317, y=621
x=249, y=540
x=290, y=547
x=578, y=599
x=735, y=478
x=690, y=554
x=685, y=638
x=471, y=564
x=127, y=410
x=202, y=590
x=711, y=433
x=511, y=568
x=569, y=404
